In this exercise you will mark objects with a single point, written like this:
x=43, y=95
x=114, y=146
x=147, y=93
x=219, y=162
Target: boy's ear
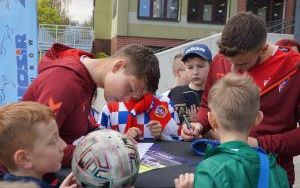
x=118, y=66
x=21, y=159
x=259, y=118
x=212, y=120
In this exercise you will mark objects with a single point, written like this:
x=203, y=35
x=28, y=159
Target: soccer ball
x=105, y=158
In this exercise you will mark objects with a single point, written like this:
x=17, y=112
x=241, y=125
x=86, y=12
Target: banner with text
x=18, y=48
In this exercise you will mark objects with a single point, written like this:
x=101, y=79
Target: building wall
x=121, y=41
x=126, y=28
x=103, y=26
x=103, y=19
x=126, y=24
x=168, y=29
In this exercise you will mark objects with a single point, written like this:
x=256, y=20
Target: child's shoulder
x=226, y=158
x=216, y=162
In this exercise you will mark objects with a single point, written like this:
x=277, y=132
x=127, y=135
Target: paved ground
x=297, y=172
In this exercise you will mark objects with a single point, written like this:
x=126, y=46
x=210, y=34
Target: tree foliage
x=89, y=23
x=53, y=11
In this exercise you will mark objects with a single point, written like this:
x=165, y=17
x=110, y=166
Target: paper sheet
x=143, y=148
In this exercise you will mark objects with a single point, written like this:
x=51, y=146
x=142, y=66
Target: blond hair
x=17, y=128
x=177, y=63
x=235, y=100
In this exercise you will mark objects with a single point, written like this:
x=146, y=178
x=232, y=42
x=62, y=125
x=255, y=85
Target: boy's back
x=236, y=164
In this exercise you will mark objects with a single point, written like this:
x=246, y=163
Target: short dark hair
x=145, y=64
x=244, y=32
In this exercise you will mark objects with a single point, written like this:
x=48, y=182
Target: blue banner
x=18, y=48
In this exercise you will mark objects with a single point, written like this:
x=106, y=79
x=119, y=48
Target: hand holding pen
x=188, y=124
x=191, y=131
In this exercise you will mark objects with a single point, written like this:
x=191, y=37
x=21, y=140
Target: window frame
x=165, y=8
x=213, y=15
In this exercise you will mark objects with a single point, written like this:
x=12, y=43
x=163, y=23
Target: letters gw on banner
x=18, y=48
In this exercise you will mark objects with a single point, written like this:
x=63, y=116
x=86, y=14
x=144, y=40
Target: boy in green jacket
x=235, y=107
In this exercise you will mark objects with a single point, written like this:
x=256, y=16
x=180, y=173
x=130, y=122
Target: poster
x=18, y=48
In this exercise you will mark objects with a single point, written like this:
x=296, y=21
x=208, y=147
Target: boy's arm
x=281, y=144
x=171, y=130
x=286, y=143
x=53, y=93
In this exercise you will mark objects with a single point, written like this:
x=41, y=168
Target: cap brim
x=184, y=58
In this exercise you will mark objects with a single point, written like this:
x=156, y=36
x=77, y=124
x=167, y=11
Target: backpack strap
x=263, y=179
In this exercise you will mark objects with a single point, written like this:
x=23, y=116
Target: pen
x=188, y=124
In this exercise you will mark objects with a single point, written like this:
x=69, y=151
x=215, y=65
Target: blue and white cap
x=200, y=50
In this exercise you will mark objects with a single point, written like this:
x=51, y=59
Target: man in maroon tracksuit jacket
x=243, y=48
x=68, y=79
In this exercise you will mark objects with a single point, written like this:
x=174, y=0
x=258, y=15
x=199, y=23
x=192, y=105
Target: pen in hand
x=188, y=124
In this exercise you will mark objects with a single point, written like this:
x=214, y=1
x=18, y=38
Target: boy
x=234, y=102
x=150, y=117
x=243, y=48
x=179, y=72
x=196, y=59
x=68, y=79
x=30, y=145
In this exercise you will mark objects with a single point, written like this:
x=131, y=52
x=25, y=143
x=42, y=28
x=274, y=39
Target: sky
x=81, y=10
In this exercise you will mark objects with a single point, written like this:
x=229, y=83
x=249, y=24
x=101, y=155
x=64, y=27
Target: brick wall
x=101, y=45
x=120, y=41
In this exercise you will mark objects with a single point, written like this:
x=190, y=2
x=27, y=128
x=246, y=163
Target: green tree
x=53, y=11
x=47, y=13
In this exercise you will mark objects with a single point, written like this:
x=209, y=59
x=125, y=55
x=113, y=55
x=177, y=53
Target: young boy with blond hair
x=30, y=145
x=234, y=103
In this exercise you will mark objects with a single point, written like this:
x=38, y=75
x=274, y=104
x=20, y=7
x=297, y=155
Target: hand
x=155, y=128
x=184, y=181
x=134, y=133
x=252, y=141
x=193, y=113
x=69, y=182
x=188, y=134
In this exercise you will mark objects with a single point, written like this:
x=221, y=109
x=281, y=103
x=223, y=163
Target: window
x=158, y=9
x=270, y=11
x=207, y=11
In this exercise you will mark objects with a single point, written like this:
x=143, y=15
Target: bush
x=101, y=55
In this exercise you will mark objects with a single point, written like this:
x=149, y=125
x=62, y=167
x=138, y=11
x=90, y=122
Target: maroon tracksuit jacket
x=65, y=85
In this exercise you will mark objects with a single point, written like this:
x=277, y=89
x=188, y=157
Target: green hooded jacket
x=236, y=164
